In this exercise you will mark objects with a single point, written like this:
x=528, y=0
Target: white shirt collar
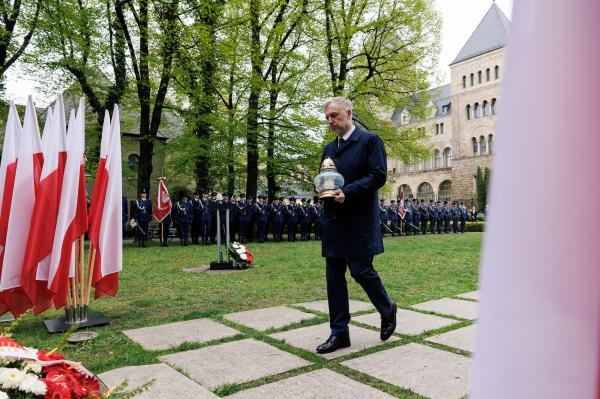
x=348, y=133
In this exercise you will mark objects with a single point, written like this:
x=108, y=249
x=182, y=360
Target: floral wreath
x=242, y=257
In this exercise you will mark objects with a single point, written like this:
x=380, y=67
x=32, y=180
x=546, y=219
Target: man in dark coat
x=185, y=214
x=196, y=218
x=351, y=225
x=142, y=215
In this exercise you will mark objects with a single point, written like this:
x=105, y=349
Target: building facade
x=462, y=122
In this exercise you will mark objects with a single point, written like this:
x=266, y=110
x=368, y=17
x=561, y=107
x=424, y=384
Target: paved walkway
x=428, y=356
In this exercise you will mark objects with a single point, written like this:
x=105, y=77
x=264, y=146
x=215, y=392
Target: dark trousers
x=415, y=227
x=394, y=227
x=432, y=226
x=205, y=231
x=243, y=228
x=261, y=231
x=446, y=225
x=195, y=231
x=184, y=229
x=163, y=233
x=277, y=230
x=440, y=225
x=361, y=269
x=291, y=230
x=304, y=230
x=423, y=226
x=142, y=233
x=462, y=225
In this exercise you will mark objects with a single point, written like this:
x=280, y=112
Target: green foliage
x=475, y=226
x=482, y=180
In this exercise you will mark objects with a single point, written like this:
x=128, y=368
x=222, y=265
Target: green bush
x=475, y=226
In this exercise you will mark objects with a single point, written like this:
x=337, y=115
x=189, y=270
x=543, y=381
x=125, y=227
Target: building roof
x=490, y=34
x=439, y=96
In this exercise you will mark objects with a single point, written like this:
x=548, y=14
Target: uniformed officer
x=302, y=217
x=213, y=209
x=455, y=214
x=124, y=207
x=185, y=214
x=383, y=217
x=424, y=211
x=446, y=210
x=196, y=217
x=416, y=216
x=393, y=217
x=143, y=216
x=205, y=219
x=224, y=205
x=464, y=215
x=312, y=217
x=276, y=215
x=432, y=216
x=243, y=211
x=408, y=218
x=260, y=211
x=318, y=218
x=290, y=217
x=440, y=216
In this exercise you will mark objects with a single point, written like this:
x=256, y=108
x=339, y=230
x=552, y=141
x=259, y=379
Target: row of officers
x=422, y=217
x=196, y=218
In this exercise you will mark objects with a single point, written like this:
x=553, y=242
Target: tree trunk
x=253, y=103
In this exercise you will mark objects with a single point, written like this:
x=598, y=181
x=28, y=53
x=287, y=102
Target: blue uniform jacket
x=352, y=229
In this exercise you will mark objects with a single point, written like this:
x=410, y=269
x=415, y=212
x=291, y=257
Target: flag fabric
x=401, y=210
x=8, y=168
x=99, y=190
x=162, y=202
x=72, y=221
x=34, y=277
x=109, y=252
x=26, y=185
x=538, y=332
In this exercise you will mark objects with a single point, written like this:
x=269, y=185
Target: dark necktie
x=341, y=142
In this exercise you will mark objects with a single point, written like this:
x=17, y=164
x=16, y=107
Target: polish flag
x=8, y=168
x=27, y=178
x=538, y=333
x=109, y=248
x=34, y=277
x=401, y=210
x=162, y=202
x=72, y=211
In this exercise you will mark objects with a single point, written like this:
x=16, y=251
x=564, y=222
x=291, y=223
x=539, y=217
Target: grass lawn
x=154, y=290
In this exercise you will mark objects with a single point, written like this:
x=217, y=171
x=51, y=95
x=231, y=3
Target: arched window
x=472, y=79
x=468, y=111
x=493, y=106
x=485, y=106
x=490, y=143
x=482, y=145
x=479, y=80
x=448, y=157
x=475, y=146
x=445, y=190
x=437, y=157
x=407, y=191
x=464, y=82
x=487, y=75
x=428, y=163
x=437, y=129
x=497, y=72
x=476, y=110
x=425, y=191
x=133, y=161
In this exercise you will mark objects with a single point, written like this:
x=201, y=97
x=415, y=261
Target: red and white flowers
x=241, y=255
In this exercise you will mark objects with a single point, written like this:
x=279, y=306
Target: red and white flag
x=107, y=220
x=34, y=277
x=27, y=177
x=8, y=168
x=72, y=219
x=162, y=202
x=401, y=210
x=538, y=331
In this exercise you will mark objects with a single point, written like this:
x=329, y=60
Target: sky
x=460, y=18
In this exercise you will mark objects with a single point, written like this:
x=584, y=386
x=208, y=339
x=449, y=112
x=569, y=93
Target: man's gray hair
x=342, y=101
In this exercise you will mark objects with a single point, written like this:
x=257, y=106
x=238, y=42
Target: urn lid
x=328, y=164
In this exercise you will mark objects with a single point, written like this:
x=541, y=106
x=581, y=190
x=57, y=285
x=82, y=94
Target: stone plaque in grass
x=451, y=307
x=408, y=322
x=264, y=319
x=173, y=334
x=323, y=307
x=168, y=383
x=474, y=295
x=310, y=337
x=430, y=372
x=322, y=383
x=233, y=362
x=462, y=338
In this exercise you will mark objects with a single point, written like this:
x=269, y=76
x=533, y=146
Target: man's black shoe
x=333, y=343
x=388, y=326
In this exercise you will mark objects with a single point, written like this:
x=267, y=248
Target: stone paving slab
x=408, y=322
x=264, y=319
x=474, y=295
x=323, y=307
x=463, y=338
x=233, y=362
x=309, y=338
x=168, y=383
x=430, y=372
x=321, y=384
x=173, y=334
x=452, y=307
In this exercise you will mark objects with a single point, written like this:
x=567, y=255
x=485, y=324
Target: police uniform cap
x=303, y=200
x=242, y=195
x=445, y=202
x=213, y=194
x=292, y=199
x=281, y=198
x=260, y=196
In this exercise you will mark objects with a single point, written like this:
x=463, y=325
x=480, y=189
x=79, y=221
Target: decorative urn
x=328, y=180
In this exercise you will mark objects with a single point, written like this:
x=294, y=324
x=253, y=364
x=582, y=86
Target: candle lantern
x=328, y=180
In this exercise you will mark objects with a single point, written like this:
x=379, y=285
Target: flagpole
x=91, y=264
x=82, y=268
